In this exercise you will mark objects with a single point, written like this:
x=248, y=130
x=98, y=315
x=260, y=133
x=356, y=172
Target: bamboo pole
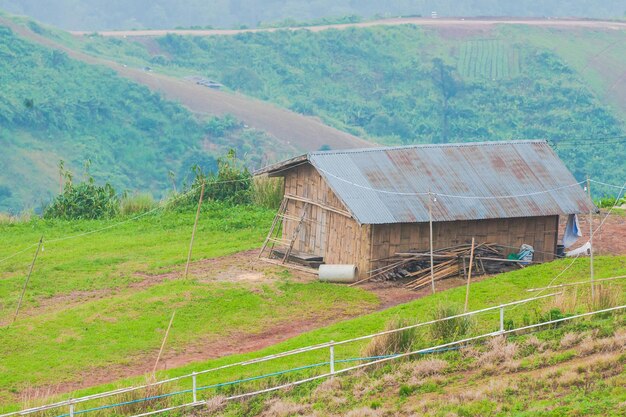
x=167, y=332
x=30, y=271
x=591, y=272
x=469, y=277
x=430, y=223
x=193, y=233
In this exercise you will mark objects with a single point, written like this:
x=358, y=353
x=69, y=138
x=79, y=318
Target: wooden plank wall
x=325, y=233
x=540, y=232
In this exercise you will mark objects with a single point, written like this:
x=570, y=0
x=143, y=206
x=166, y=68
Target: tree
x=448, y=86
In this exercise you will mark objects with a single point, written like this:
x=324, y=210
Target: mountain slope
x=407, y=84
x=55, y=108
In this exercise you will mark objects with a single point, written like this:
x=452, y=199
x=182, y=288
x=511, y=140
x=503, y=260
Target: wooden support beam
x=320, y=205
x=469, y=276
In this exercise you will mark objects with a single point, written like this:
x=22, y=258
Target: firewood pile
x=449, y=262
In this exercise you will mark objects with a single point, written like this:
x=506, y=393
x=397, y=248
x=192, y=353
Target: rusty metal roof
x=468, y=181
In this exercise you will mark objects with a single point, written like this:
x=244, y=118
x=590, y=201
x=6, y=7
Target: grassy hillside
x=407, y=84
x=575, y=370
x=99, y=303
x=466, y=369
x=54, y=108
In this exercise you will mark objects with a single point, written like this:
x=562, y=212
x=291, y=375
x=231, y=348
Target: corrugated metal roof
x=472, y=181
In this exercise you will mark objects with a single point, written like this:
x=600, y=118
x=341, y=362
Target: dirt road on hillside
x=420, y=21
x=297, y=133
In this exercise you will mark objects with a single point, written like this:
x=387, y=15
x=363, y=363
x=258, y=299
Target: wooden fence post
x=30, y=271
x=430, y=223
x=167, y=332
x=591, y=242
x=193, y=233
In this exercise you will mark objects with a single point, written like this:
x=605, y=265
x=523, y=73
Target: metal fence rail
x=71, y=403
x=402, y=355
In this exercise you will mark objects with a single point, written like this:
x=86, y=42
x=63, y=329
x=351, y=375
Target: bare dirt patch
x=610, y=239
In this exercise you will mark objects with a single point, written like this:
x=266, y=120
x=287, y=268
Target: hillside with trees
x=54, y=108
x=406, y=84
x=157, y=14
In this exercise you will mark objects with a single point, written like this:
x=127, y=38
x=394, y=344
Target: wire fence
x=333, y=364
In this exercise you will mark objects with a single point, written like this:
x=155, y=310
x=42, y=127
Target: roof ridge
x=428, y=145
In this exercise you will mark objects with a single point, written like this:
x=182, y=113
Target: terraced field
x=488, y=59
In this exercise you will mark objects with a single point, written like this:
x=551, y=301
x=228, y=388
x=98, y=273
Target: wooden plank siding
x=540, y=232
x=336, y=237
x=340, y=239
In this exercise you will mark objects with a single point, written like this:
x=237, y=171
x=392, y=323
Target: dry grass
x=141, y=406
x=591, y=344
x=425, y=368
x=568, y=301
x=498, y=351
x=282, y=408
x=331, y=392
x=391, y=343
x=214, y=404
x=569, y=340
x=535, y=343
x=364, y=412
x=606, y=296
x=6, y=218
x=35, y=397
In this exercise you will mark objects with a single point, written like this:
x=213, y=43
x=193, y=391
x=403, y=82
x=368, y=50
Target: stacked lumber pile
x=414, y=267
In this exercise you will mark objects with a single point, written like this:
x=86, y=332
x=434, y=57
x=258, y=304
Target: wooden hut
x=360, y=206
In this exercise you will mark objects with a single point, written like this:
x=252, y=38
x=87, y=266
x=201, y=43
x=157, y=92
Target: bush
x=84, y=201
x=137, y=203
x=608, y=202
x=231, y=183
x=452, y=329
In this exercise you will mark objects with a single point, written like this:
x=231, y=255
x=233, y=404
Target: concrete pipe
x=338, y=273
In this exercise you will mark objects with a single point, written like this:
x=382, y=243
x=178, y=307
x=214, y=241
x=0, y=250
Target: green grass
x=109, y=259
x=88, y=306
x=492, y=291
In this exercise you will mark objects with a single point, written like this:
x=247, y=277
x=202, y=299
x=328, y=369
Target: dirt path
x=295, y=132
x=420, y=21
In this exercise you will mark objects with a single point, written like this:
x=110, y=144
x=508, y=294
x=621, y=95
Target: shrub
x=84, y=201
x=231, y=183
x=137, y=203
x=392, y=343
x=267, y=192
x=452, y=329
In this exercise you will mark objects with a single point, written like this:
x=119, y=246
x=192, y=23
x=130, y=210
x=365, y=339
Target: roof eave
x=277, y=169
